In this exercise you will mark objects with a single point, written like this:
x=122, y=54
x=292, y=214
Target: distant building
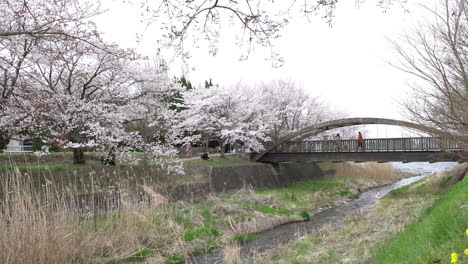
x=19, y=144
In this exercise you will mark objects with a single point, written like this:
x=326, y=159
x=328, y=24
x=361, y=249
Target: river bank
x=332, y=216
x=238, y=217
x=156, y=230
x=428, y=211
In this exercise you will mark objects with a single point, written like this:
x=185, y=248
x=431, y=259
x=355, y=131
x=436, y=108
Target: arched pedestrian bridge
x=296, y=147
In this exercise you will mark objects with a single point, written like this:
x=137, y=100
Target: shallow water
x=282, y=234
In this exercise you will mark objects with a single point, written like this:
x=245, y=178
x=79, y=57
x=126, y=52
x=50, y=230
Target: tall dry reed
x=232, y=254
x=373, y=171
x=46, y=227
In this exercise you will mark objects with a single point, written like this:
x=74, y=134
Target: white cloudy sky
x=346, y=64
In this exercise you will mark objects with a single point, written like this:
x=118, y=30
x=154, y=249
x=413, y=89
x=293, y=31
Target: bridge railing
x=370, y=145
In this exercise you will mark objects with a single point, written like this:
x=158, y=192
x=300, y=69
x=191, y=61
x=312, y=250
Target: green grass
x=438, y=232
x=175, y=258
x=201, y=232
x=271, y=210
x=305, y=215
x=417, y=187
x=206, y=246
x=243, y=238
x=186, y=223
x=302, y=248
x=302, y=194
x=308, y=186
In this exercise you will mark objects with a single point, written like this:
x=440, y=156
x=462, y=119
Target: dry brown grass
x=232, y=254
x=369, y=171
x=46, y=228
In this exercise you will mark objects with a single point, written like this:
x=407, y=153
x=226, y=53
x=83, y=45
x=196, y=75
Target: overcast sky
x=347, y=65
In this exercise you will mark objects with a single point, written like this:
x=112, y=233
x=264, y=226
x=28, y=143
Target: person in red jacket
x=360, y=141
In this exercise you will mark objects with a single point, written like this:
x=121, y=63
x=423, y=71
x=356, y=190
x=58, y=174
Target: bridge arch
x=329, y=125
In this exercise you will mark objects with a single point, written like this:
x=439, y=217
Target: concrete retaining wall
x=262, y=175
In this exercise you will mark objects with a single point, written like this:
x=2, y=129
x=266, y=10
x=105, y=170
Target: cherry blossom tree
x=61, y=82
x=153, y=114
x=82, y=97
x=48, y=20
x=228, y=114
x=293, y=108
x=26, y=25
x=251, y=115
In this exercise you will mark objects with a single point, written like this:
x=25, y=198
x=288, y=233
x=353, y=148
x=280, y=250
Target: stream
x=335, y=215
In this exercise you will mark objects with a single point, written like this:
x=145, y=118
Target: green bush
x=305, y=215
x=37, y=145
x=4, y=140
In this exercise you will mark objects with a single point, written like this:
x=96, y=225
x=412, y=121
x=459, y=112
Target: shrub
x=305, y=215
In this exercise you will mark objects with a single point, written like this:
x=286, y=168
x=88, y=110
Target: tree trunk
x=222, y=153
x=78, y=156
x=222, y=148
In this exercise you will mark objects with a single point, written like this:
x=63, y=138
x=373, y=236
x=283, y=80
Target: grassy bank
x=143, y=227
x=420, y=223
x=439, y=231
x=57, y=170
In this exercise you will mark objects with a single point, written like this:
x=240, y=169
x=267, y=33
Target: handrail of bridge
x=371, y=145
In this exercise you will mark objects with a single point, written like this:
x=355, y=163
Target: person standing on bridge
x=337, y=142
x=360, y=141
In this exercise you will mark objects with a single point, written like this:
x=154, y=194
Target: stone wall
x=258, y=176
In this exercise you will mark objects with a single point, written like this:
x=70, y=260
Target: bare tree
x=258, y=23
x=437, y=55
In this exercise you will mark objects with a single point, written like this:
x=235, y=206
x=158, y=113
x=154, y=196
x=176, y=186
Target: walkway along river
x=282, y=234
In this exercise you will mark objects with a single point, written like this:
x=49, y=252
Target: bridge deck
x=370, y=145
x=408, y=156
x=431, y=149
